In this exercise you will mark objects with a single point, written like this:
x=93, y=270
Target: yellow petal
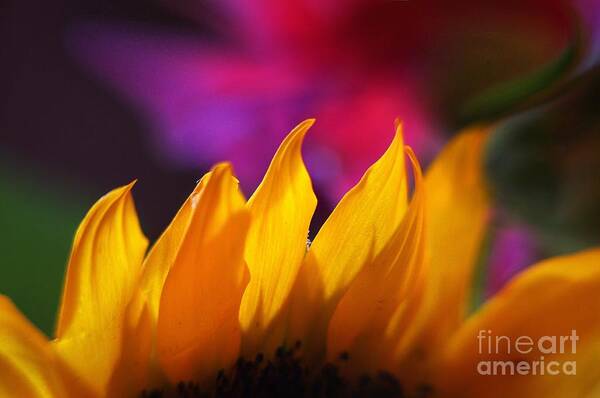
x=138, y=366
x=161, y=257
x=103, y=270
x=198, y=329
x=553, y=298
x=361, y=323
x=457, y=214
x=356, y=231
x=27, y=363
x=281, y=210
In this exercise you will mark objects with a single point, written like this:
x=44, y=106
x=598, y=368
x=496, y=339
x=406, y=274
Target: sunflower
x=232, y=301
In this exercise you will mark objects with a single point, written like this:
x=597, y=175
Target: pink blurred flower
x=514, y=248
x=355, y=65
x=590, y=15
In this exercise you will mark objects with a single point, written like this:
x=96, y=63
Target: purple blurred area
x=101, y=92
x=513, y=249
x=231, y=86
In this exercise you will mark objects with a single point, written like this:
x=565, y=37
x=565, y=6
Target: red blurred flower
x=355, y=65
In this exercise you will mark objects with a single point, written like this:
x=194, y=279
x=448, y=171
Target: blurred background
x=94, y=94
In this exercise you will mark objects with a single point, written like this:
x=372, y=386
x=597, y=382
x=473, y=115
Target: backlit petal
x=375, y=300
x=457, y=213
x=138, y=366
x=103, y=270
x=198, y=329
x=27, y=362
x=281, y=210
x=161, y=257
x=356, y=231
x=554, y=298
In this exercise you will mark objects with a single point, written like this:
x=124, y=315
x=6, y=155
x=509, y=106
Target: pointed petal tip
x=414, y=161
x=308, y=122
x=410, y=152
x=122, y=190
x=225, y=169
x=129, y=187
x=398, y=136
x=398, y=124
x=302, y=128
x=218, y=170
x=222, y=167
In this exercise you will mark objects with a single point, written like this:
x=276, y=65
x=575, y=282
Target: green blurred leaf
x=544, y=168
x=37, y=222
x=506, y=96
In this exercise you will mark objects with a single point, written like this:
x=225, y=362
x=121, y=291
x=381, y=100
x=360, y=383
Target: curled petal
x=457, y=215
x=138, y=366
x=358, y=229
x=376, y=298
x=103, y=271
x=556, y=299
x=198, y=330
x=281, y=210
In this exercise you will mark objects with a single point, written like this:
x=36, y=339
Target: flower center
x=286, y=376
